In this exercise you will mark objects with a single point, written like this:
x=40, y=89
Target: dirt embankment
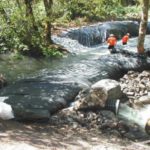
x=22, y=136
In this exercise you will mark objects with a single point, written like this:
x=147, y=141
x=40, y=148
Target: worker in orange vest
x=112, y=41
x=125, y=39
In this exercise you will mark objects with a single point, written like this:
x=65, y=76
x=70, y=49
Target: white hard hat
x=111, y=34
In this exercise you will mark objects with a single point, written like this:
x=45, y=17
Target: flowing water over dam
x=135, y=116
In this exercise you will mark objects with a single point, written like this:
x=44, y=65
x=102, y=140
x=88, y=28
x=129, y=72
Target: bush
x=19, y=34
x=51, y=52
x=95, y=10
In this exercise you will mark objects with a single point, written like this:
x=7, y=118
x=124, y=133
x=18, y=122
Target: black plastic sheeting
x=98, y=33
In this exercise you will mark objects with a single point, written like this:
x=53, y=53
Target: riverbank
x=47, y=137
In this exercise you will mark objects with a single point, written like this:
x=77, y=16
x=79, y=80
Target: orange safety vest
x=125, y=39
x=111, y=41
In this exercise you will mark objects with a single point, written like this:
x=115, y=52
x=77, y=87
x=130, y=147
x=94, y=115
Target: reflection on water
x=74, y=66
x=80, y=65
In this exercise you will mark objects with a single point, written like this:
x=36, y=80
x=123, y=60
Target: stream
x=78, y=65
x=48, y=85
x=38, y=88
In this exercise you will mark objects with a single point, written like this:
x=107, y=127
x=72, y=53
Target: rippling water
x=80, y=65
x=138, y=116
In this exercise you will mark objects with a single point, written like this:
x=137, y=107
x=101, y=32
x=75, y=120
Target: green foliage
x=51, y=52
x=18, y=33
x=93, y=10
x=16, y=56
x=133, y=12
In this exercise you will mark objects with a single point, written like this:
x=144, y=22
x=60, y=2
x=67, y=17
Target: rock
x=6, y=111
x=130, y=73
x=99, y=96
x=137, y=86
x=148, y=86
x=112, y=88
x=90, y=98
x=3, y=81
x=137, y=89
x=39, y=97
x=130, y=93
x=143, y=100
x=142, y=86
x=145, y=74
x=31, y=114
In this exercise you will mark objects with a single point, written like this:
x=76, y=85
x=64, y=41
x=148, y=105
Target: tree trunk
x=3, y=13
x=127, y=2
x=29, y=13
x=48, y=8
x=18, y=3
x=143, y=26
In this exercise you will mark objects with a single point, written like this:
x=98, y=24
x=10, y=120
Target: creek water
x=80, y=64
x=138, y=116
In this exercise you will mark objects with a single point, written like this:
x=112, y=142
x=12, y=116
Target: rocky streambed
x=136, y=89
x=89, y=128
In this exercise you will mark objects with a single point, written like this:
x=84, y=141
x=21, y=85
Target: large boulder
x=112, y=88
x=31, y=114
x=35, y=99
x=96, y=97
x=6, y=111
x=90, y=99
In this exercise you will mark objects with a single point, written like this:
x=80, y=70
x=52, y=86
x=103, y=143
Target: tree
x=3, y=13
x=48, y=8
x=18, y=4
x=127, y=2
x=143, y=26
x=29, y=13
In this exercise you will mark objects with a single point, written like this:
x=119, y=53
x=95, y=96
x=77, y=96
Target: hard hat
x=111, y=34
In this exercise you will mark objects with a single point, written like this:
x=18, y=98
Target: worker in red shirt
x=112, y=41
x=125, y=39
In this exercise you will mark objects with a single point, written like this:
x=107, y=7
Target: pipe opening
x=113, y=105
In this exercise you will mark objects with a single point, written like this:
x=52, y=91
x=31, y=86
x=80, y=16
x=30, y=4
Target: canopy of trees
x=26, y=25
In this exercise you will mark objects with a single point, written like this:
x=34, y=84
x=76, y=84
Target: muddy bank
x=16, y=135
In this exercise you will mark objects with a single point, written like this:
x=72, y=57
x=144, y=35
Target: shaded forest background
x=27, y=25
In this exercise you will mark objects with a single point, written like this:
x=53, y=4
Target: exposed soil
x=62, y=134
x=22, y=136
